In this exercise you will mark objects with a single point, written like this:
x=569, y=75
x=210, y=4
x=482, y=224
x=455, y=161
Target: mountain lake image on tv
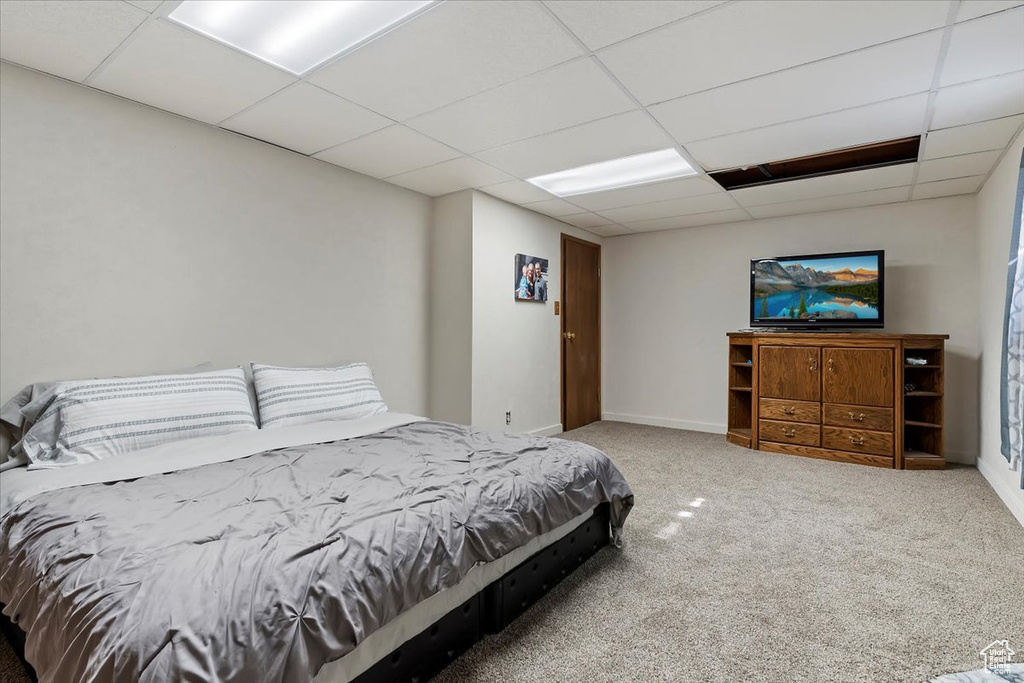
x=833, y=290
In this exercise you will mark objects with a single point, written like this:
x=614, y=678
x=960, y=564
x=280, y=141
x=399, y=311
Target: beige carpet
x=789, y=570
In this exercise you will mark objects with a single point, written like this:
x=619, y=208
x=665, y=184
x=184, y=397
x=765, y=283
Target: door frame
x=562, y=330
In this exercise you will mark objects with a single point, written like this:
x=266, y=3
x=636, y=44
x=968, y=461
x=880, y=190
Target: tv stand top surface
x=770, y=332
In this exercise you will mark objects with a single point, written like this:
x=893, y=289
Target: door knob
x=569, y=335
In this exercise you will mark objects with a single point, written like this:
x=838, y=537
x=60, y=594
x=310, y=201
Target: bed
x=322, y=552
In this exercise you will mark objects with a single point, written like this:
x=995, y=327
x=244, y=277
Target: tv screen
x=819, y=290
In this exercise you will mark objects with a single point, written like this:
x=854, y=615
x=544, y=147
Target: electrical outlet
x=508, y=417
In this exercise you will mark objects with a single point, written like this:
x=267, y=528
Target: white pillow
x=82, y=421
x=291, y=396
x=16, y=424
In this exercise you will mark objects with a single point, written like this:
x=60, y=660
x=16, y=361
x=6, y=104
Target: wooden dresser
x=846, y=396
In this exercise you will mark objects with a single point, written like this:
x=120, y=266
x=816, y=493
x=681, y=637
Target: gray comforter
x=265, y=568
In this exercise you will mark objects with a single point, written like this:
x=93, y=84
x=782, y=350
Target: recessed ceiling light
x=294, y=35
x=610, y=175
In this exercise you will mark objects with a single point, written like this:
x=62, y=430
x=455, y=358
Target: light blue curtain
x=1012, y=385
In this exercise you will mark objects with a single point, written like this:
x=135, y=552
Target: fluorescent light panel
x=294, y=35
x=610, y=175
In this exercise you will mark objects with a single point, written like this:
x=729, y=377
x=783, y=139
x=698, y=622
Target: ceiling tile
x=610, y=230
x=880, y=73
x=599, y=23
x=692, y=221
x=673, y=207
x=517, y=192
x=947, y=188
x=611, y=138
x=450, y=176
x=651, y=192
x=148, y=5
x=453, y=51
x=961, y=166
x=305, y=118
x=871, y=123
x=985, y=47
x=974, y=137
x=66, y=38
x=991, y=98
x=388, y=152
x=843, y=201
x=585, y=220
x=746, y=39
x=825, y=186
x=555, y=208
x=562, y=96
x=972, y=9
x=174, y=69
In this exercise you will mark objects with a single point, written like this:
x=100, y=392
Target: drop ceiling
x=485, y=94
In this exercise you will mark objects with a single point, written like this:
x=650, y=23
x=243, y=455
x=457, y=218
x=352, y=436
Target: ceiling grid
x=488, y=94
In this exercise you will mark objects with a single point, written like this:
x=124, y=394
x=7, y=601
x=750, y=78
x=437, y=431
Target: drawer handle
x=789, y=411
x=832, y=365
x=858, y=418
x=857, y=440
x=813, y=360
x=789, y=432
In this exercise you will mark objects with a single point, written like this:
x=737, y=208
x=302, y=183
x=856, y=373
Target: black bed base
x=426, y=654
x=16, y=638
x=514, y=593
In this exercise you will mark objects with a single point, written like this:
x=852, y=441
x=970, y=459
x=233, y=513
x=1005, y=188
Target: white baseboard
x=547, y=431
x=1011, y=495
x=666, y=422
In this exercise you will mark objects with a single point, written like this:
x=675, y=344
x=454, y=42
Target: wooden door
x=581, y=332
x=861, y=377
x=792, y=372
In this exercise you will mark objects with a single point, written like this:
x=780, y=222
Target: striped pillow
x=83, y=421
x=291, y=396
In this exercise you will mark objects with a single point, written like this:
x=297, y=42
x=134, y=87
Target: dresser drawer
x=858, y=417
x=857, y=440
x=794, y=411
x=789, y=432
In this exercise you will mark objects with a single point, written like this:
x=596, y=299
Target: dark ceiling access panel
x=875, y=155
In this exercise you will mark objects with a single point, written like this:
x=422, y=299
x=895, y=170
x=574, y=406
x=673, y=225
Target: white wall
x=516, y=361
x=670, y=297
x=995, y=206
x=136, y=241
x=451, y=309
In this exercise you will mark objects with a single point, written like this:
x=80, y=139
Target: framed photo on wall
x=531, y=278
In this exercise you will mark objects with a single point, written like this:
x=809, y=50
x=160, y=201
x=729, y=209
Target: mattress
x=284, y=552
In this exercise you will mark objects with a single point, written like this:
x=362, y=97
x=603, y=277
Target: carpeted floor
x=789, y=569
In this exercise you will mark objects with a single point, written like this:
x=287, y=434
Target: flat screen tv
x=818, y=290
